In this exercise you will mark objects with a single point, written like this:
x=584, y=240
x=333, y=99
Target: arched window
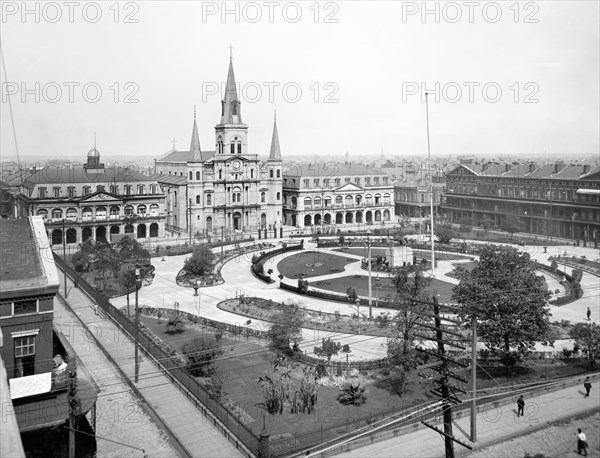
x=57, y=214
x=191, y=176
x=278, y=173
x=197, y=199
x=154, y=210
x=232, y=148
x=43, y=213
x=278, y=196
x=262, y=197
x=251, y=173
x=86, y=190
x=198, y=176
x=209, y=199
x=239, y=148
x=339, y=200
x=141, y=210
x=307, y=202
x=271, y=173
x=220, y=145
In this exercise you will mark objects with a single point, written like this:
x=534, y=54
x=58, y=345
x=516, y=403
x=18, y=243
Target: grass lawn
x=380, y=289
x=312, y=264
x=364, y=252
x=247, y=360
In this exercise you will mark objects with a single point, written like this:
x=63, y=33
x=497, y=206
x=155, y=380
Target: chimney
x=531, y=167
x=586, y=169
x=558, y=166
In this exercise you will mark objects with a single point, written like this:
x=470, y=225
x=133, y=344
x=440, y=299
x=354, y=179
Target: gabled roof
x=462, y=169
x=176, y=180
x=593, y=174
x=186, y=156
x=350, y=187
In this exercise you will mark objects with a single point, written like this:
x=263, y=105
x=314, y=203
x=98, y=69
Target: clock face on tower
x=236, y=165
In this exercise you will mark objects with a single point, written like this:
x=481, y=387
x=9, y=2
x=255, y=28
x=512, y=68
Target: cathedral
x=225, y=190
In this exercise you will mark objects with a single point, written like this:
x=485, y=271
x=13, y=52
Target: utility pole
x=474, y=380
x=222, y=241
x=190, y=219
x=430, y=187
x=74, y=405
x=445, y=390
x=64, y=239
x=137, y=325
x=370, y=287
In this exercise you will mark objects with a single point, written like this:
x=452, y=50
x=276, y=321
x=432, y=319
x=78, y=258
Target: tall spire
x=230, y=105
x=275, y=154
x=195, y=144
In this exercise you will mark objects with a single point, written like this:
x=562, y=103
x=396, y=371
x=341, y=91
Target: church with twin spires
x=226, y=189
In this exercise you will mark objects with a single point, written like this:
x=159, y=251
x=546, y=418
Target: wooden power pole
x=443, y=366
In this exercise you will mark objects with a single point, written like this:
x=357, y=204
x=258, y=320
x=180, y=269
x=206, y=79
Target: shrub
x=200, y=355
x=352, y=394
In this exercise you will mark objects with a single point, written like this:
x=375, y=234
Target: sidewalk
x=188, y=425
x=493, y=426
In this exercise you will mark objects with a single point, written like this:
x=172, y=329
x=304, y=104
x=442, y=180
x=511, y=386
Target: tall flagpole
x=430, y=188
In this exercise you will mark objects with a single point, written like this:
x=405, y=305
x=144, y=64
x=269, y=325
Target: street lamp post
x=358, y=312
x=137, y=324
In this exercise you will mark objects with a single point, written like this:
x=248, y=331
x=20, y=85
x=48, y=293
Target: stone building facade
x=227, y=189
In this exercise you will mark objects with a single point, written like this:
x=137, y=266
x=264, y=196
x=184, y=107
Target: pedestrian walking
x=521, y=406
x=588, y=313
x=588, y=386
x=581, y=442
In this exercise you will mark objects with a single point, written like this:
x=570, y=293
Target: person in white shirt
x=581, y=442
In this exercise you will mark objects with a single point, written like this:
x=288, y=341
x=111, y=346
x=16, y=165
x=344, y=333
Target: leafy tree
x=286, y=328
x=410, y=300
x=328, y=349
x=486, y=223
x=105, y=258
x=302, y=286
x=508, y=300
x=587, y=336
x=82, y=259
x=201, y=262
x=351, y=293
x=512, y=224
x=200, y=354
x=352, y=394
x=445, y=233
x=218, y=378
x=465, y=224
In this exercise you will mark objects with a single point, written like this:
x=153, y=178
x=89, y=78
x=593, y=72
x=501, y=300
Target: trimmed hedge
x=258, y=266
x=331, y=296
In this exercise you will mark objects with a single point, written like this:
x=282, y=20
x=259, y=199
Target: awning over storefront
x=594, y=192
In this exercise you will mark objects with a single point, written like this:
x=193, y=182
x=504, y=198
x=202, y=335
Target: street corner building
x=38, y=364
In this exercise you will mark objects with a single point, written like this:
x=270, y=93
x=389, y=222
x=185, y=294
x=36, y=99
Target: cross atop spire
x=194, y=111
x=173, y=144
x=230, y=52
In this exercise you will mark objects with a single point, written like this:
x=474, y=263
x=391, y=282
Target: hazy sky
x=370, y=60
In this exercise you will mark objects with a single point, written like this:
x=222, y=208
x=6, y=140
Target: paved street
x=493, y=426
x=193, y=430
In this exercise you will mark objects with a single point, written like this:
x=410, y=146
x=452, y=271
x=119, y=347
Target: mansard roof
x=330, y=169
x=65, y=175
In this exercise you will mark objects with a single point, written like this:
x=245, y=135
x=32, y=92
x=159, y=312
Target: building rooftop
x=64, y=175
x=329, y=169
x=27, y=260
x=170, y=179
x=185, y=156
